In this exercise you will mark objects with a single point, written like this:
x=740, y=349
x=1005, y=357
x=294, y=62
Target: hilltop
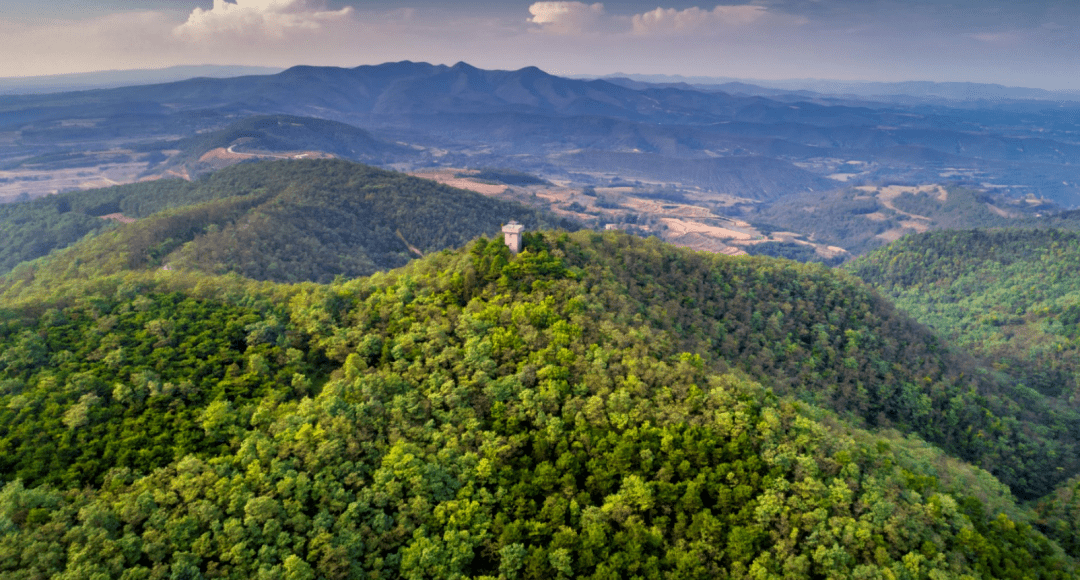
x=280, y=137
x=598, y=405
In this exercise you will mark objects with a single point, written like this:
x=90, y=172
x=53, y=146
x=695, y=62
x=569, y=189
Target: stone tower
x=512, y=234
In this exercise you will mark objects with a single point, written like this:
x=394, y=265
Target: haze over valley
x=698, y=166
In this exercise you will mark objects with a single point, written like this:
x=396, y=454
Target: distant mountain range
x=533, y=121
x=954, y=91
x=123, y=78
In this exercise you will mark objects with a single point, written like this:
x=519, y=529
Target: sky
x=1029, y=44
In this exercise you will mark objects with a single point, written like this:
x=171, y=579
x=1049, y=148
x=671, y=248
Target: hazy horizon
x=107, y=78
x=1015, y=45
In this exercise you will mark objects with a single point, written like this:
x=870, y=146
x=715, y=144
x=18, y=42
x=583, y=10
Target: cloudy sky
x=1032, y=44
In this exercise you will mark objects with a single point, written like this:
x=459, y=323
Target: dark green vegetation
x=587, y=408
x=32, y=229
x=283, y=221
x=133, y=378
x=1012, y=298
x=505, y=176
x=1059, y=515
x=790, y=251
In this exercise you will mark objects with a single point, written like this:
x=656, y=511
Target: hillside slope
x=1010, y=296
x=802, y=330
x=32, y=229
x=282, y=220
x=578, y=410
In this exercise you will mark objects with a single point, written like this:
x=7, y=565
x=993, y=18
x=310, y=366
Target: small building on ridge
x=512, y=236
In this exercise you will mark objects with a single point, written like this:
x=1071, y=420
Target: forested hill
x=263, y=134
x=278, y=220
x=586, y=408
x=1011, y=296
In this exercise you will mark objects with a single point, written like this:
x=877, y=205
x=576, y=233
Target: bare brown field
x=181, y=173
x=449, y=177
x=680, y=227
x=33, y=183
x=1000, y=212
x=887, y=194
x=223, y=154
x=823, y=250
x=919, y=225
x=652, y=206
x=615, y=190
x=892, y=235
x=703, y=243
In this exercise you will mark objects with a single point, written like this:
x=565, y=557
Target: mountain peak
x=532, y=72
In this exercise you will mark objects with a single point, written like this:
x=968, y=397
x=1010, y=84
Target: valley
x=31, y=179
x=707, y=221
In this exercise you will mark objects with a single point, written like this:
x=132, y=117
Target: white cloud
x=259, y=18
x=670, y=20
x=566, y=17
x=575, y=18
x=282, y=33
x=114, y=41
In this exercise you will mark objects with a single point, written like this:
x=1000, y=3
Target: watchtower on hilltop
x=512, y=235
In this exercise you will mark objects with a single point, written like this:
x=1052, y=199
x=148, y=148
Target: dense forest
x=32, y=229
x=792, y=251
x=286, y=221
x=597, y=406
x=1010, y=296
